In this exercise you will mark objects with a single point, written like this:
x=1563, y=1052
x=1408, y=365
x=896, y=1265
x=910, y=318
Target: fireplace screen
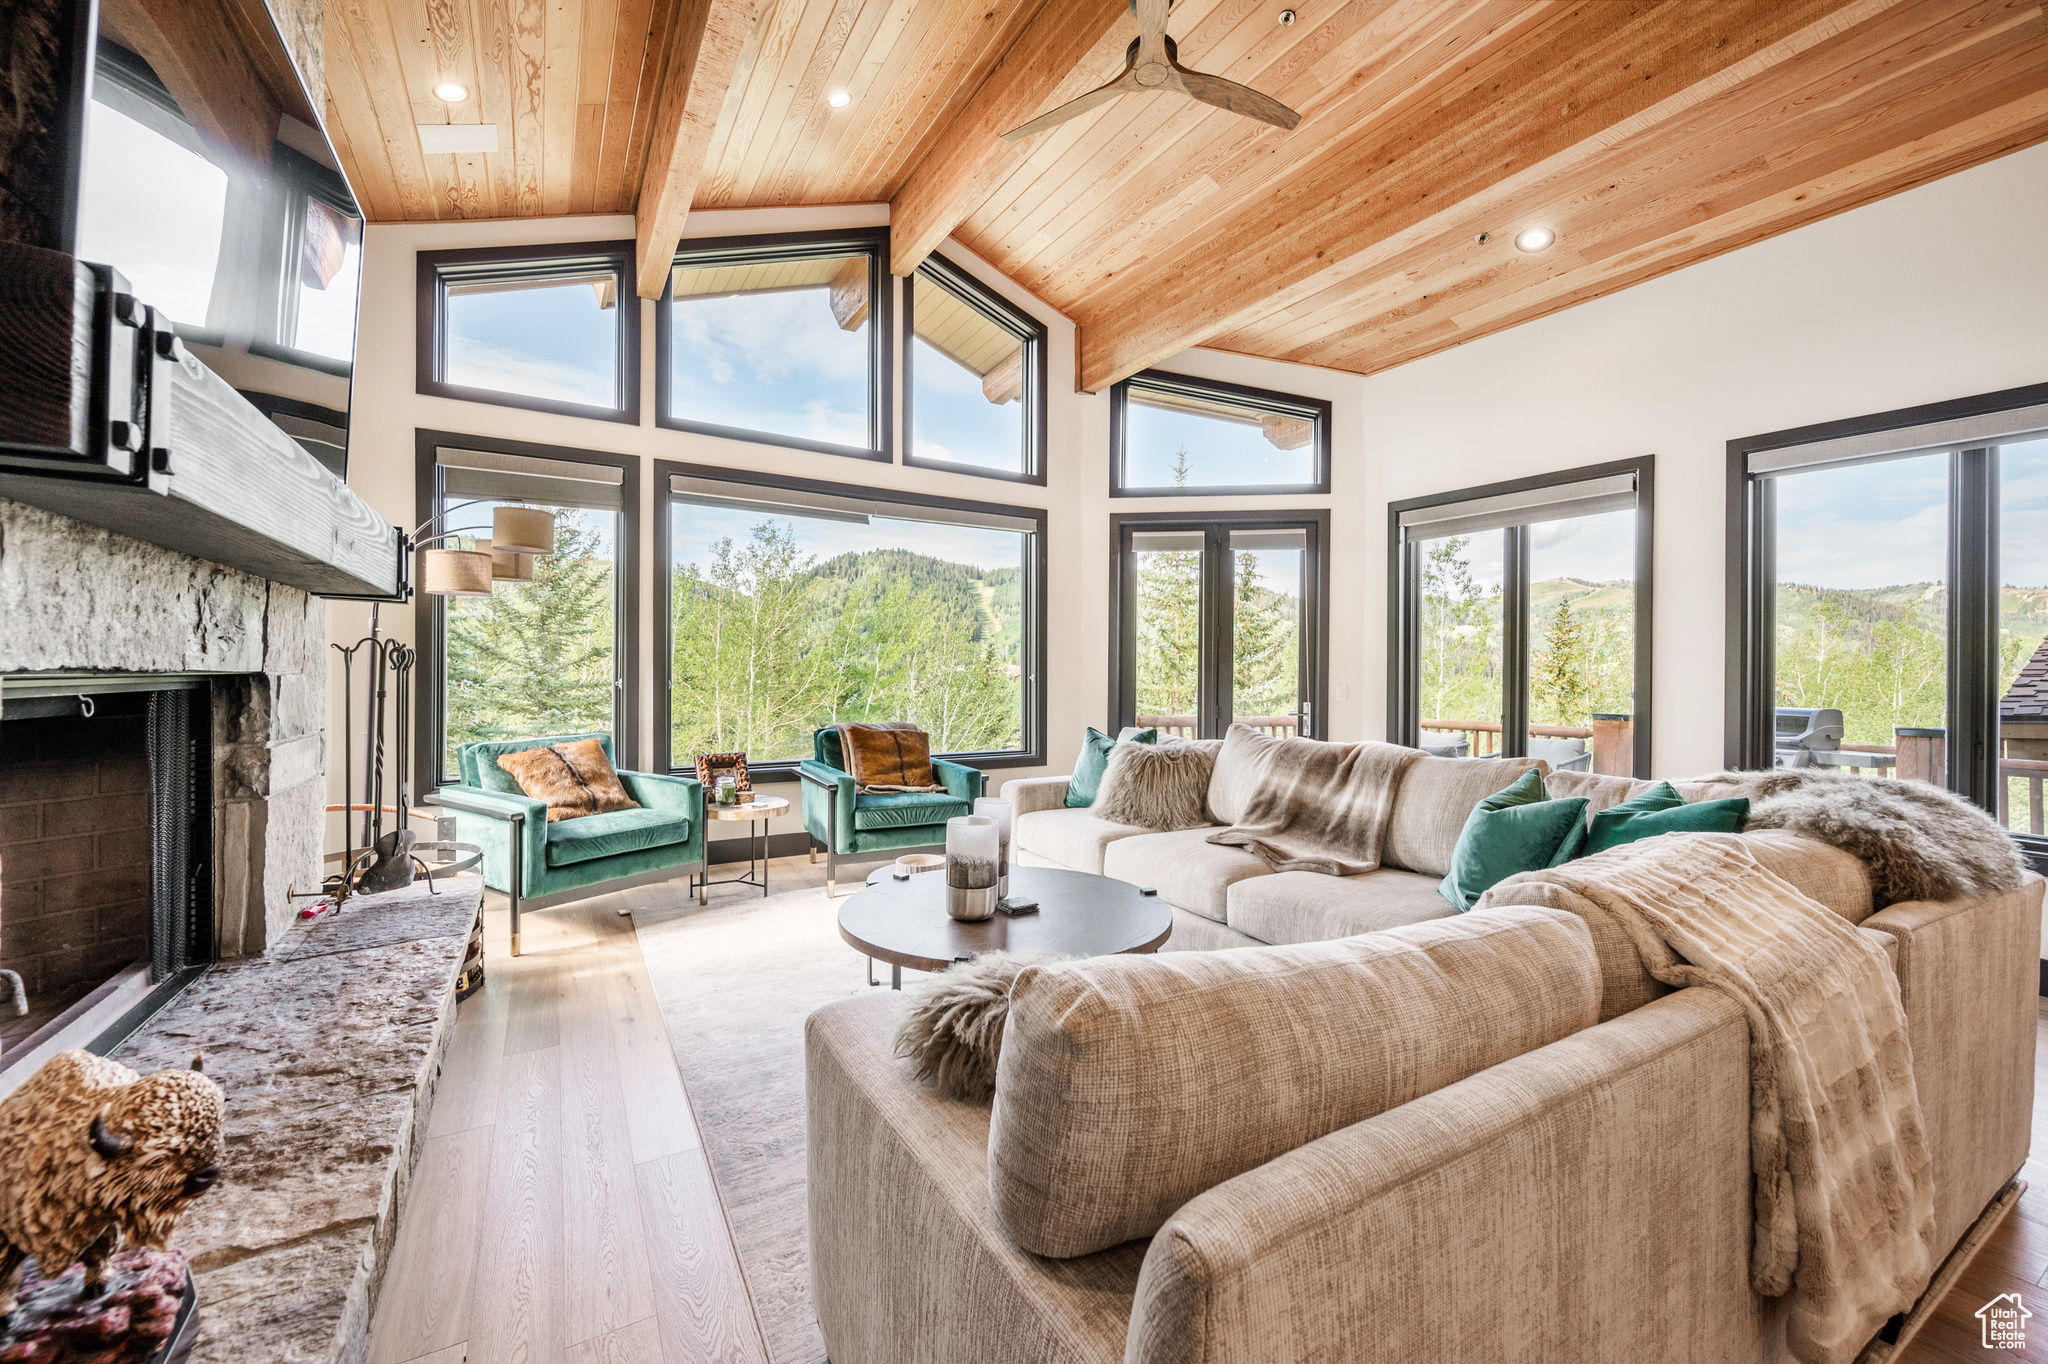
x=105, y=850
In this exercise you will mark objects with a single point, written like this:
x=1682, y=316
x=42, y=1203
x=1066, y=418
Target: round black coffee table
x=905, y=922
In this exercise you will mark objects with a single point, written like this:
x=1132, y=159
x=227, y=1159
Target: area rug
x=735, y=982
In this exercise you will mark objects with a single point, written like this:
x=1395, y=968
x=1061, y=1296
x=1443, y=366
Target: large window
x=535, y=327
x=1888, y=599
x=549, y=656
x=1520, y=620
x=1217, y=619
x=781, y=339
x=1172, y=434
x=793, y=605
x=974, y=378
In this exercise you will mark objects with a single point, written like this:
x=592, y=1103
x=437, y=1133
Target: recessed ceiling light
x=1534, y=238
x=453, y=92
x=839, y=99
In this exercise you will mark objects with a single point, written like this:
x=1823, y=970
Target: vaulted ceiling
x=1647, y=134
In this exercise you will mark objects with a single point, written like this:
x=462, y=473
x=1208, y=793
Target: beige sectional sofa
x=1550, y=1160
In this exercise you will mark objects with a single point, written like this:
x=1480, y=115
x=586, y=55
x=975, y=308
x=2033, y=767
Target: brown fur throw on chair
x=894, y=755
x=1158, y=786
x=1919, y=841
x=575, y=779
x=953, y=1025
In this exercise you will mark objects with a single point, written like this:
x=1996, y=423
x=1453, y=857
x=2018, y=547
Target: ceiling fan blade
x=1238, y=99
x=1151, y=30
x=1074, y=108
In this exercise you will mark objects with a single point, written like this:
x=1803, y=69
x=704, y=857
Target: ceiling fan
x=1150, y=63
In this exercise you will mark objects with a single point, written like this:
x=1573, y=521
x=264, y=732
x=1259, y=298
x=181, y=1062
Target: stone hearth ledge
x=330, y=1049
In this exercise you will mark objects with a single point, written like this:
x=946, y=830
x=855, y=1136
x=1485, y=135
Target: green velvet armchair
x=538, y=864
x=848, y=824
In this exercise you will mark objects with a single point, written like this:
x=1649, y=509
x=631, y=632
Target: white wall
x=386, y=412
x=1937, y=293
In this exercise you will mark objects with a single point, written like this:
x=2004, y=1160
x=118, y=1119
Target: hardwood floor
x=563, y=1212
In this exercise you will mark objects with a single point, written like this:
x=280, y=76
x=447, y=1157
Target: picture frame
x=710, y=766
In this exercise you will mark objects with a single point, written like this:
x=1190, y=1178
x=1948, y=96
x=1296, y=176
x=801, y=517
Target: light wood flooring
x=563, y=1212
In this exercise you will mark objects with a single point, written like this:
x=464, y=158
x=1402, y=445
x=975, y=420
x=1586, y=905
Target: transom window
x=780, y=339
x=794, y=604
x=1173, y=434
x=974, y=386
x=534, y=327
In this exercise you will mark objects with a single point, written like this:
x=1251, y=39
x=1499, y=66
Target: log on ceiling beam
x=1611, y=74
x=703, y=51
x=1070, y=46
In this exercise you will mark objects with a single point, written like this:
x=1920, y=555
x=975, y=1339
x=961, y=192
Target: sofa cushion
x=1432, y=803
x=1603, y=792
x=1106, y=1116
x=906, y=809
x=1187, y=869
x=1306, y=906
x=1661, y=810
x=621, y=831
x=1240, y=766
x=1074, y=839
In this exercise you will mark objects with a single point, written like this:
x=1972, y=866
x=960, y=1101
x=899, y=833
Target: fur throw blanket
x=1321, y=807
x=1919, y=841
x=952, y=1026
x=894, y=755
x=1158, y=786
x=1843, y=1186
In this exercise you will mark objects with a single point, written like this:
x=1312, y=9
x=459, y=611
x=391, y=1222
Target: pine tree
x=1170, y=623
x=536, y=658
x=1560, y=682
x=1265, y=671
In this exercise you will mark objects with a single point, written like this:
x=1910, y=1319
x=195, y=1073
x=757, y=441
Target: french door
x=1219, y=619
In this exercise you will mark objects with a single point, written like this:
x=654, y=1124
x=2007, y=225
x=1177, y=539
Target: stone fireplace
x=120, y=659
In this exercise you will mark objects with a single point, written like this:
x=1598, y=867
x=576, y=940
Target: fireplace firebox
x=106, y=854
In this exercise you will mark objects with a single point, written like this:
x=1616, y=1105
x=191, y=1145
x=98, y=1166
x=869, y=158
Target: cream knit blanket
x=1321, y=807
x=1844, y=1193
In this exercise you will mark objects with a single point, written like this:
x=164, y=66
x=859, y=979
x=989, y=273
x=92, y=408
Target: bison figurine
x=92, y=1155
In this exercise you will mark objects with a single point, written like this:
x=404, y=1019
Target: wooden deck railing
x=1183, y=726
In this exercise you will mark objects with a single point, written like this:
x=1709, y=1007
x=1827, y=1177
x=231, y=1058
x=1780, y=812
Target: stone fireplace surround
x=75, y=598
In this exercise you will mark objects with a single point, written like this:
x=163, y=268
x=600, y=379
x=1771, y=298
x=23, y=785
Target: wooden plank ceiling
x=1648, y=134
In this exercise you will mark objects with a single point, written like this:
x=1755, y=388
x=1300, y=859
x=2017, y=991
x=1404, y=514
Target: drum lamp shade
x=522, y=530
x=456, y=573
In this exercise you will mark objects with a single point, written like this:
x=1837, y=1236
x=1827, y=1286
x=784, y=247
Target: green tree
x=1459, y=679
x=1561, y=681
x=536, y=658
x=1170, y=623
x=746, y=676
x=1265, y=666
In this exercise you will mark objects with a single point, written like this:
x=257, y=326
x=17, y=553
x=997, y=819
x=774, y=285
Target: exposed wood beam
x=1069, y=46
x=1612, y=75
x=704, y=48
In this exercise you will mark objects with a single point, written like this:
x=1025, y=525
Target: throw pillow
x=952, y=1024
x=575, y=779
x=894, y=755
x=1661, y=810
x=1086, y=783
x=1514, y=830
x=1156, y=785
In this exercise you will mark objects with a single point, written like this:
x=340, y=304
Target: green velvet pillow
x=1661, y=810
x=1515, y=830
x=1086, y=783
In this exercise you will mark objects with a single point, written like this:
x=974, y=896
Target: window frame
x=874, y=242
x=1404, y=609
x=430, y=612
x=1217, y=643
x=432, y=342
x=1032, y=754
x=946, y=275
x=1973, y=569
x=1287, y=404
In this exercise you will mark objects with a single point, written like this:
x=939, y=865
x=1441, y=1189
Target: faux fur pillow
x=575, y=779
x=1158, y=786
x=894, y=755
x=1919, y=841
x=953, y=1027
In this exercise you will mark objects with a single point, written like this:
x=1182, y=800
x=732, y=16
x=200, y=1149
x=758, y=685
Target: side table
x=757, y=812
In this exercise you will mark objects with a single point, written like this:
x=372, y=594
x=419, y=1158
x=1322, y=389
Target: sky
x=1869, y=525
x=1221, y=454
x=552, y=342
x=954, y=421
x=776, y=363
x=153, y=211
